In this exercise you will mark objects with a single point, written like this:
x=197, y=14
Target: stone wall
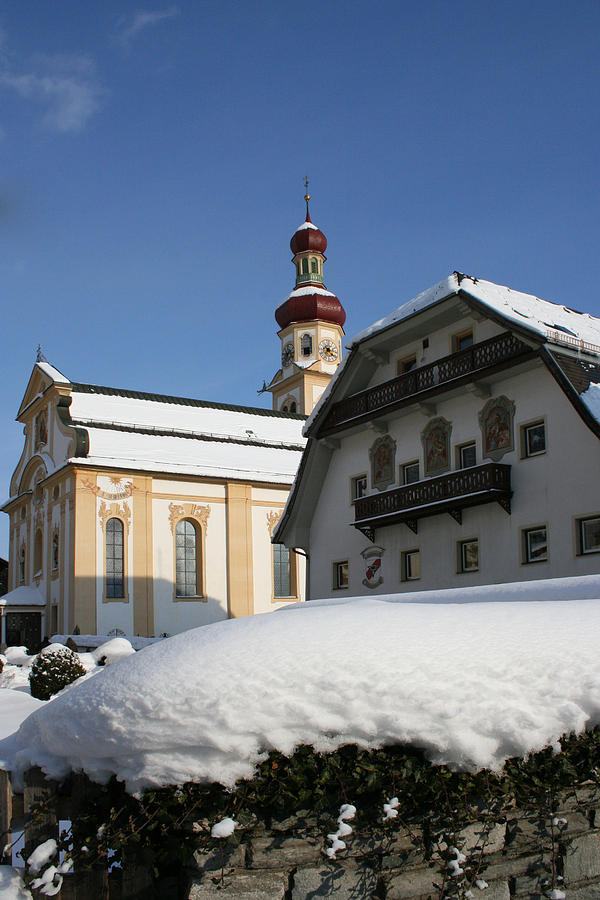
x=524, y=855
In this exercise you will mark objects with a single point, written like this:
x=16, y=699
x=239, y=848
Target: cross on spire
x=306, y=197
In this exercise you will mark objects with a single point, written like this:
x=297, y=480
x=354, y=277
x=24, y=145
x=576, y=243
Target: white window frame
x=336, y=568
x=524, y=429
x=408, y=465
x=463, y=568
x=459, y=452
x=580, y=522
x=527, y=556
x=354, y=495
x=405, y=557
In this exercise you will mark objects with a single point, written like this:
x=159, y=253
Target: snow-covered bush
x=53, y=671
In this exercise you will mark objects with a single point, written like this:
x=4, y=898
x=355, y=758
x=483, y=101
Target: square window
x=533, y=439
x=468, y=556
x=466, y=456
x=535, y=544
x=341, y=577
x=410, y=565
x=462, y=341
x=589, y=535
x=410, y=472
x=358, y=487
x=405, y=365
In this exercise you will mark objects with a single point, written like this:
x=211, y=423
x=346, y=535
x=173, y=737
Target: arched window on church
x=306, y=345
x=38, y=552
x=188, y=561
x=314, y=266
x=115, y=570
x=305, y=266
x=55, y=549
x=293, y=406
x=22, y=564
x=285, y=579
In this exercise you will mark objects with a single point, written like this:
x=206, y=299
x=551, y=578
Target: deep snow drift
x=471, y=683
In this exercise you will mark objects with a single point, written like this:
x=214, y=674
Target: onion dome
x=308, y=237
x=306, y=304
x=309, y=300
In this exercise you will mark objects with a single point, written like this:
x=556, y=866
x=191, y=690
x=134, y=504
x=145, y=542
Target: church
x=145, y=514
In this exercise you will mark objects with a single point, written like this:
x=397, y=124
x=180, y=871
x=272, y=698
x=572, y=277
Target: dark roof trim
x=156, y=431
x=80, y=388
x=293, y=495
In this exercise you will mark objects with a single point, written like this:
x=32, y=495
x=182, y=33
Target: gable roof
x=541, y=321
x=551, y=328
x=550, y=321
x=179, y=435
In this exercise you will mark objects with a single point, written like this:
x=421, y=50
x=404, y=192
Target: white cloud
x=65, y=86
x=129, y=29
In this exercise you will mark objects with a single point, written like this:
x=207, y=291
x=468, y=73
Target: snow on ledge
x=306, y=225
x=23, y=596
x=53, y=373
x=472, y=683
x=303, y=292
x=591, y=398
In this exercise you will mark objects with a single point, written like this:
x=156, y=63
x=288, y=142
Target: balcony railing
x=419, y=384
x=306, y=278
x=449, y=493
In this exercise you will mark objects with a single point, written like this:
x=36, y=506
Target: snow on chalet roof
x=369, y=671
x=552, y=322
x=130, y=429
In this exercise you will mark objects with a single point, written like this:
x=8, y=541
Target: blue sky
x=152, y=164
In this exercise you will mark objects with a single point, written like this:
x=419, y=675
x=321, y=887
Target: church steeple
x=311, y=320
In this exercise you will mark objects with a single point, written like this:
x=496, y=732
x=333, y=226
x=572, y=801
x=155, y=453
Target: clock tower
x=311, y=320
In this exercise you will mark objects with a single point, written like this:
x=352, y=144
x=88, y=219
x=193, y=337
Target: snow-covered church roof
x=177, y=435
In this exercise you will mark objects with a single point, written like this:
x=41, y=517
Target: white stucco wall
x=553, y=489
x=113, y=613
x=268, y=503
x=170, y=615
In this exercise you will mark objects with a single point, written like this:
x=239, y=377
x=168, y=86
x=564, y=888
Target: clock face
x=328, y=350
x=287, y=354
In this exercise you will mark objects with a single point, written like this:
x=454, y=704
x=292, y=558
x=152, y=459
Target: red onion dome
x=314, y=304
x=308, y=237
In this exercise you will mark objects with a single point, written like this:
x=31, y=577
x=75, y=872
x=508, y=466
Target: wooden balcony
x=424, y=382
x=450, y=493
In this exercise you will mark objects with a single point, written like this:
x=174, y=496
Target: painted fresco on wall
x=496, y=423
x=436, y=446
x=383, y=462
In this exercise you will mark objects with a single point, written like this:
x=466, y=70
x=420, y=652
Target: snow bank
x=95, y=640
x=15, y=706
x=18, y=656
x=11, y=885
x=471, y=683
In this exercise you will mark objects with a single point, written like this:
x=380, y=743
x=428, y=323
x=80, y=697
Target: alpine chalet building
x=458, y=444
